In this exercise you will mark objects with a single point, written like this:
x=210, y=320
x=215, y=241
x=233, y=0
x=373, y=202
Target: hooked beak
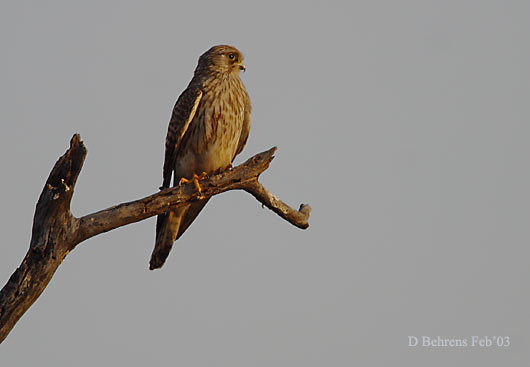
x=242, y=67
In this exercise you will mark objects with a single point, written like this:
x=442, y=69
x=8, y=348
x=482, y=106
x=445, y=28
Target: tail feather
x=192, y=213
x=167, y=226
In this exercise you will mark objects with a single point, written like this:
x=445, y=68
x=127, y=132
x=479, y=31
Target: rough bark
x=56, y=231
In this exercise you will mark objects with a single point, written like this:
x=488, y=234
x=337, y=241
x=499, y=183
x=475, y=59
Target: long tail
x=169, y=228
x=190, y=215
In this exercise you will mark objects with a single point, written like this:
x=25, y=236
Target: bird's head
x=222, y=59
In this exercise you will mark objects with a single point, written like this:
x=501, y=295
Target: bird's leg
x=195, y=179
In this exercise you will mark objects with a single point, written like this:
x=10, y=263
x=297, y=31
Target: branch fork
x=56, y=231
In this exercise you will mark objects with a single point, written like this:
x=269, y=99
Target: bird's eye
x=231, y=56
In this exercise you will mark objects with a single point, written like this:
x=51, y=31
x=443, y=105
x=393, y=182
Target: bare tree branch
x=56, y=231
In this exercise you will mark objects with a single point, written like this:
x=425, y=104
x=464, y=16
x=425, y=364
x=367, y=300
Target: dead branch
x=56, y=231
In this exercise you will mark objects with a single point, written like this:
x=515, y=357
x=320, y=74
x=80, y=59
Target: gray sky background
x=404, y=124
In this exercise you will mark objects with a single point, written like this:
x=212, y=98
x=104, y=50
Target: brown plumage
x=208, y=128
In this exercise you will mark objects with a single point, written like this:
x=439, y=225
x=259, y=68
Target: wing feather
x=182, y=115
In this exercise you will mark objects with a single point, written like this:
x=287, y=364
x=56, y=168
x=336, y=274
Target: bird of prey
x=209, y=126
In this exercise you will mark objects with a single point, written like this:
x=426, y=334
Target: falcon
x=209, y=126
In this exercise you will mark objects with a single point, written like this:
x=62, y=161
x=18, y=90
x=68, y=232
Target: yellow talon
x=195, y=179
x=184, y=181
x=196, y=183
